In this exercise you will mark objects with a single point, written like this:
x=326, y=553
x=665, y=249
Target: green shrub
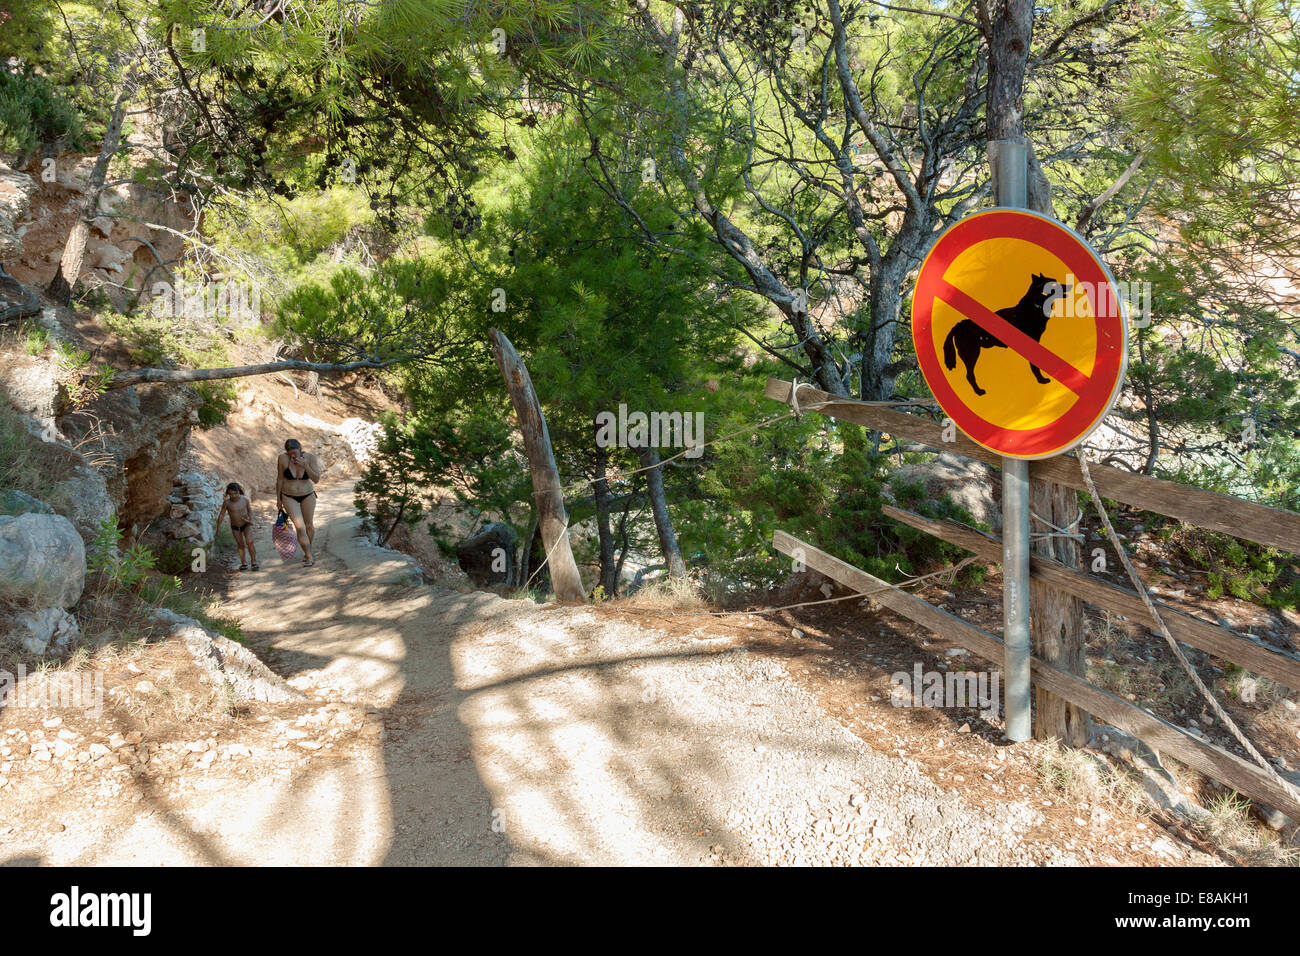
x=827, y=487
x=1242, y=569
x=35, y=116
x=174, y=558
x=125, y=568
x=35, y=338
x=158, y=590
x=218, y=400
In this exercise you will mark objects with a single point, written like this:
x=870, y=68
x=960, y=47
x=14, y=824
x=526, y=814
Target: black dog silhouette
x=1029, y=315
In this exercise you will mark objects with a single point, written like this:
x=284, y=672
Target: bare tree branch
x=1096, y=203
x=179, y=376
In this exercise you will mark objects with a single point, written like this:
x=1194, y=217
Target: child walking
x=240, y=510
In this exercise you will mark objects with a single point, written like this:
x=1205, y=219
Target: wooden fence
x=1258, y=523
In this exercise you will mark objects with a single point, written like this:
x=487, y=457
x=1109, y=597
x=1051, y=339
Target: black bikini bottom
x=301, y=498
x=241, y=528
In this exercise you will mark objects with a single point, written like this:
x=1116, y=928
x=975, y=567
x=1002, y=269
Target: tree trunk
x=659, y=505
x=537, y=560
x=622, y=535
x=886, y=305
x=600, y=488
x=1009, y=32
x=547, y=494
x=74, y=250
x=524, y=563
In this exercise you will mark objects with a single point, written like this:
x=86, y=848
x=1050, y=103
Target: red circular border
x=1108, y=363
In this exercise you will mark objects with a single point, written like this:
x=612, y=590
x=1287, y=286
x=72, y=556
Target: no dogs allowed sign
x=1019, y=332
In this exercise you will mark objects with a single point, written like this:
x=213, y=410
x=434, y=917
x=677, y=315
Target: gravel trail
x=453, y=728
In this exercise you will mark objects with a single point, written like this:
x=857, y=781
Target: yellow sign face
x=1019, y=332
x=1019, y=401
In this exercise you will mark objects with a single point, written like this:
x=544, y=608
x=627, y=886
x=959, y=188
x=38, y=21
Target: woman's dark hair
x=291, y=444
x=234, y=486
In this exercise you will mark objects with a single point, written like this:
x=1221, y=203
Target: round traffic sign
x=1020, y=332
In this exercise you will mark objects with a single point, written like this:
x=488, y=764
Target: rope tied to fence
x=1215, y=706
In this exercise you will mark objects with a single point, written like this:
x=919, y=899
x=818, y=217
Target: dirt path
x=450, y=728
x=523, y=735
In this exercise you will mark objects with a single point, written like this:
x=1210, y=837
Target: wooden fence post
x=552, y=517
x=1056, y=617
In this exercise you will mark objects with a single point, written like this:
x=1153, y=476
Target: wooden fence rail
x=1157, y=733
x=1273, y=664
x=1206, y=509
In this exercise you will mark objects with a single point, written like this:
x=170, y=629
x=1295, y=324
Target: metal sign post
x=1009, y=163
x=1025, y=299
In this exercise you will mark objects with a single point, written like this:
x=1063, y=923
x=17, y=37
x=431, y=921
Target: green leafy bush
x=124, y=567
x=471, y=453
x=34, y=115
x=218, y=401
x=1242, y=569
x=35, y=338
x=174, y=558
x=821, y=482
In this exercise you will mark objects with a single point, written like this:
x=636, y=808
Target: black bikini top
x=292, y=477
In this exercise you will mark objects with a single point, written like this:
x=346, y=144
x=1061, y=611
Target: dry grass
x=29, y=465
x=1105, y=630
x=1115, y=678
x=668, y=594
x=108, y=614
x=1232, y=826
x=1085, y=778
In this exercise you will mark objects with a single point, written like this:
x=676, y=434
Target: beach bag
x=284, y=537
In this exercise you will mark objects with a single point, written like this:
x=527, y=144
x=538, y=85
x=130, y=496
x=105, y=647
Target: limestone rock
x=363, y=436
x=228, y=662
x=202, y=493
x=86, y=492
x=32, y=386
x=1158, y=782
x=16, y=191
x=42, y=561
x=14, y=502
x=46, y=630
x=145, y=431
x=16, y=300
x=106, y=256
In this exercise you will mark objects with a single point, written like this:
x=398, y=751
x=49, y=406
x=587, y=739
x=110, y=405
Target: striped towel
x=284, y=537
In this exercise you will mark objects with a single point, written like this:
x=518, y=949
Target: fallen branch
x=173, y=376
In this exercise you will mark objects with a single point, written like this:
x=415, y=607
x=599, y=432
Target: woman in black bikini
x=295, y=473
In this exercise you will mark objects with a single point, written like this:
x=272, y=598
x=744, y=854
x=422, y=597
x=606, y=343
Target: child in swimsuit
x=240, y=510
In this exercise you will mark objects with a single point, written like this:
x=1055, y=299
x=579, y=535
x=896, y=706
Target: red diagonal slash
x=994, y=324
